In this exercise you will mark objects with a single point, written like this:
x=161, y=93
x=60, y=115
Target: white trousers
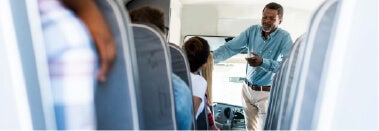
x=255, y=107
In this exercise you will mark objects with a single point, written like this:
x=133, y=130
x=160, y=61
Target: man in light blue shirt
x=267, y=45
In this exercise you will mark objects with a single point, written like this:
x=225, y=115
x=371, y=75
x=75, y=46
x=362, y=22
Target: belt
x=258, y=88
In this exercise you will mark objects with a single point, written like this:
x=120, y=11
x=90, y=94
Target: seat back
x=307, y=78
x=346, y=59
x=297, y=84
x=25, y=95
x=290, y=96
x=180, y=67
x=317, y=86
x=115, y=99
x=202, y=120
x=155, y=93
x=282, y=94
x=179, y=63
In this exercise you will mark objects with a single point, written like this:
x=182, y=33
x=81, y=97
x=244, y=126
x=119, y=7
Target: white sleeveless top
x=199, y=87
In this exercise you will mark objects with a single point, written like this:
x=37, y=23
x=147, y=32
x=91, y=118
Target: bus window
x=228, y=75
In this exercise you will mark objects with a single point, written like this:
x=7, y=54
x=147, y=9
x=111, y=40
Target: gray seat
x=155, y=93
x=179, y=63
x=25, y=95
x=202, y=119
x=115, y=99
x=338, y=83
x=282, y=93
x=286, y=85
x=317, y=88
x=316, y=44
x=180, y=67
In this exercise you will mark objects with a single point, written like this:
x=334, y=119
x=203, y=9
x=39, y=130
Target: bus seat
x=25, y=95
x=287, y=89
x=314, y=50
x=115, y=99
x=179, y=62
x=155, y=93
x=202, y=120
x=282, y=91
x=180, y=67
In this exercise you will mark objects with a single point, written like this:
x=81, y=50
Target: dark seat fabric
x=155, y=93
x=202, y=120
x=179, y=62
x=180, y=67
x=115, y=99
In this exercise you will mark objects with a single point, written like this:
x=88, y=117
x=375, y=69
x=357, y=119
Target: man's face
x=270, y=20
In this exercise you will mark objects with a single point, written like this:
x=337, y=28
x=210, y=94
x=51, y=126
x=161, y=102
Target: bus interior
x=329, y=81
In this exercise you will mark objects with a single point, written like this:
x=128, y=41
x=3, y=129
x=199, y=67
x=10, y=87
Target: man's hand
x=254, y=61
x=90, y=14
x=107, y=54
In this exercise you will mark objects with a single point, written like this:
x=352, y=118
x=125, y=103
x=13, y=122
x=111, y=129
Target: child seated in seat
x=182, y=94
x=200, y=59
x=197, y=53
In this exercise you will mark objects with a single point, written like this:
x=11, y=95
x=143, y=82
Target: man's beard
x=270, y=28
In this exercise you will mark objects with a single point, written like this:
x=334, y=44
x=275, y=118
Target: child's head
x=197, y=50
x=148, y=14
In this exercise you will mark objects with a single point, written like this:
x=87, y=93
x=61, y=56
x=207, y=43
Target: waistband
x=257, y=87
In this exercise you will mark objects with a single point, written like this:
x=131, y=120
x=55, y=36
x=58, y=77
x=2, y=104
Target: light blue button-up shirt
x=272, y=51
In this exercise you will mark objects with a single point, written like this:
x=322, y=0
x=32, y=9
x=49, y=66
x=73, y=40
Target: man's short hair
x=275, y=6
x=148, y=14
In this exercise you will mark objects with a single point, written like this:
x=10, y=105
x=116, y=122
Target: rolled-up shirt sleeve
x=233, y=47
